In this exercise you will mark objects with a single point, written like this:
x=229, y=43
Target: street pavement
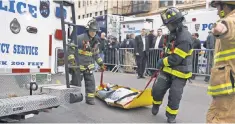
x=193, y=107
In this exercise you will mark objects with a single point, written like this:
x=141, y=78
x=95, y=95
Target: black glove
x=160, y=64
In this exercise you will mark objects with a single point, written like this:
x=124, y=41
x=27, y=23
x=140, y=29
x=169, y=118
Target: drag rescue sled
x=125, y=97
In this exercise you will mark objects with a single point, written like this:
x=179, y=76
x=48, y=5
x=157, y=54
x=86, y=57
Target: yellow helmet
x=215, y=2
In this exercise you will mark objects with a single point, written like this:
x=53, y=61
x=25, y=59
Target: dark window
x=96, y=13
x=83, y=16
x=101, y=12
x=79, y=4
x=79, y=17
x=105, y=12
x=84, y=3
x=90, y=2
x=90, y=14
x=87, y=15
x=165, y=3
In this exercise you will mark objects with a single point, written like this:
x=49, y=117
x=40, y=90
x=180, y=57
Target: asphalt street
x=193, y=107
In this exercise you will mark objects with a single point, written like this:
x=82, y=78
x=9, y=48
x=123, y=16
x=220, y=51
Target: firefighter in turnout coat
x=88, y=51
x=175, y=65
x=221, y=87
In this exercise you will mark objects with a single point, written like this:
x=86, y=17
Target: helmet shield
x=170, y=15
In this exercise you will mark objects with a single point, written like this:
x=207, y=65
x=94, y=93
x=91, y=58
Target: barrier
x=123, y=60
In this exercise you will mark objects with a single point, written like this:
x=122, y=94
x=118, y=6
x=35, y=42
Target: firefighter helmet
x=172, y=18
x=93, y=25
x=215, y=2
x=170, y=15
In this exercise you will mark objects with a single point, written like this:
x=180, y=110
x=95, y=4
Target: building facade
x=93, y=8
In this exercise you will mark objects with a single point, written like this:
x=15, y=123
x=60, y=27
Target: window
x=84, y=3
x=83, y=16
x=101, y=12
x=79, y=4
x=90, y=2
x=105, y=12
x=90, y=14
x=79, y=17
x=165, y=3
x=179, y=1
x=96, y=13
x=96, y=1
x=87, y=15
x=87, y=2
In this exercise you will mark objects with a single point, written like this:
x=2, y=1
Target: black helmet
x=93, y=25
x=172, y=17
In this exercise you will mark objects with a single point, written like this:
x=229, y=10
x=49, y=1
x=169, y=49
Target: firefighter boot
x=170, y=118
x=90, y=102
x=155, y=109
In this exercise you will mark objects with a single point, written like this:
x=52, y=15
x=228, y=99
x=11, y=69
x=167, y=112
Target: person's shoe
x=90, y=102
x=155, y=109
x=171, y=120
x=142, y=76
x=138, y=77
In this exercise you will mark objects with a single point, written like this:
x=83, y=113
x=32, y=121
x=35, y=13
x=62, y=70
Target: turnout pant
x=89, y=83
x=175, y=85
x=141, y=63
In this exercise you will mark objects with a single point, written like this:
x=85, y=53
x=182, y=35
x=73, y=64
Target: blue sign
x=207, y=26
x=22, y=7
x=58, y=14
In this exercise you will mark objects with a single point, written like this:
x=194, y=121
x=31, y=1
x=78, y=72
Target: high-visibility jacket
x=223, y=72
x=88, y=52
x=179, y=61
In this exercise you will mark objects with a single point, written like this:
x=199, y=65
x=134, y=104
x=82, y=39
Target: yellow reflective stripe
x=86, y=53
x=219, y=86
x=91, y=66
x=71, y=57
x=157, y=102
x=90, y=95
x=224, y=52
x=221, y=89
x=99, y=60
x=165, y=61
x=224, y=58
x=181, y=53
x=82, y=68
x=223, y=92
x=173, y=112
x=177, y=73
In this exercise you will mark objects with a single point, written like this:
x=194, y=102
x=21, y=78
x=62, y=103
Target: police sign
x=22, y=7
x=207, y=26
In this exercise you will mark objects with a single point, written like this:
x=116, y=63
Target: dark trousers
x=195, y=64
x=141, y=63
x=175, y=85
x=89, y=83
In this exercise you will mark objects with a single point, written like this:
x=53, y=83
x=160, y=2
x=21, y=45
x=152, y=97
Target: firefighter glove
x=160, y=64
x=102, y=67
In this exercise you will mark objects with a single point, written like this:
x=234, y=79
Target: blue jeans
x=101, y=55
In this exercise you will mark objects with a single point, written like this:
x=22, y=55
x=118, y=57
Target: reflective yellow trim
x=99, y=60
x=177, y=73
x=86, y=53
x=173, y=112
x=224, y=52
x=157, y=102
x=90, y=95
x=181, y=53
x=219, y=86
x=222, y=89
x=224, y=58
x=91, y=66
x=71, y=57
x=82, y=68
x=165, y=61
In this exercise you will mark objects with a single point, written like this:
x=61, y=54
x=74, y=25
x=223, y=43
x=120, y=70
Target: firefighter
x=88, y=51
x=221, y=87
x=175, y=66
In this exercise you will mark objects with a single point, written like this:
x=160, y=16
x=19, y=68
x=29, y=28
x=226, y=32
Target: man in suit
x=141, y=51
x=196, y=45
x=158, y=40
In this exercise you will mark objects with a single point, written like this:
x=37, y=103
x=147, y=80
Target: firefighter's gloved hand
x=160, y=64
x=103, y=67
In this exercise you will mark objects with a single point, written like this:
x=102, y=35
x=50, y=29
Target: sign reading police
x=22, y=7
x=207, y=26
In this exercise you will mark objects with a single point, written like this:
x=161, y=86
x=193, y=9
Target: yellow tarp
x=144, y=98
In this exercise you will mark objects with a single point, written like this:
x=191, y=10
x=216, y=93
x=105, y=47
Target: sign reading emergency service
x=21, y=49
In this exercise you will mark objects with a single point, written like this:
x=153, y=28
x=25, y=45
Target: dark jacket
x=151, y=40
x=160, y=45
x=179, y=62
x=139, y=46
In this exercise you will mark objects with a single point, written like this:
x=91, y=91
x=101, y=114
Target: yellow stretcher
x=136, y=99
